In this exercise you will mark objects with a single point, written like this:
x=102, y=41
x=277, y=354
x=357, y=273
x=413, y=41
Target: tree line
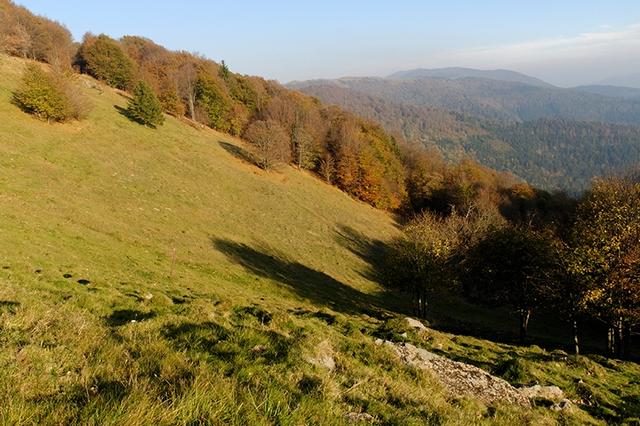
x=533, y=252
x=282, y=126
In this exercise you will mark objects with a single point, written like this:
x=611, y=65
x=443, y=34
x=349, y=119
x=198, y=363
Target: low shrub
x=50, y=96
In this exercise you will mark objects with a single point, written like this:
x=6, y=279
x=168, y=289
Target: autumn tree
x=270, y=142
x=103, y=58
x=428, y=254
x=144, y=106
x=186, y=77
x=606, y=255
x=24, y=34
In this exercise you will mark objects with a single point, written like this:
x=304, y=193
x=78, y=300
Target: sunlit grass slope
x=155, y=277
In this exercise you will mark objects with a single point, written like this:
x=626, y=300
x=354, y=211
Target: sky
x=565, y=42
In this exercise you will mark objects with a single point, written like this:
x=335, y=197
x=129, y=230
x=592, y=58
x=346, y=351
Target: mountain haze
x=611, y=91
x=455, y=73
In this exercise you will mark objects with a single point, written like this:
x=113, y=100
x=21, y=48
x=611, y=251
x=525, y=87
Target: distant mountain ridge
x=629, y=80
x=489, y=99
x=611, y=91
x=455, y=73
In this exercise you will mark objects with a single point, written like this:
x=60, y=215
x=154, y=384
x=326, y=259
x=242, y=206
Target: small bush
x=144, y=107
x=49, y=96
x=513, y=370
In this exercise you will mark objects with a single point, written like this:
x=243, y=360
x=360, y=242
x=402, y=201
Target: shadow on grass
x=124, y=316
x=125, y=113
x=370, y=250
x=99, y=391
x=238, y=152
x=8, y=306
x=310, y=284
x=234, y=346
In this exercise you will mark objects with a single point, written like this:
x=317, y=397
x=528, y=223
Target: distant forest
x=551, y=153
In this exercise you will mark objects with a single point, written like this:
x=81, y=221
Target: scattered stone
x=324, y=356
x=460, y=378
x=148, y=296
x=543, y=393
x=258, y=349
x=359, y=417
x=415, y=324
x=563, y=405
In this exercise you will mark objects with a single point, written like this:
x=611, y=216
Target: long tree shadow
x=371, y=251
x=449, y=312
x=238, y=152
x=315, y=286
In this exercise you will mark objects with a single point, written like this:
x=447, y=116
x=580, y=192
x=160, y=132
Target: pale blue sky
x=565, y=42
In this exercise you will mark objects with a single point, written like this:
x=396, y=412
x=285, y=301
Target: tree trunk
x=576, y=339
x=524, y=323
x=192, y=106
x=626, y=334
x=610, y=342
x=619, y=338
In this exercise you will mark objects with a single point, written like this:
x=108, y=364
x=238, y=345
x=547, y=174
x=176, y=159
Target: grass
x=155, y=277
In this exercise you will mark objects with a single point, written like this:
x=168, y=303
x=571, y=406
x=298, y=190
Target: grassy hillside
x=154, y=277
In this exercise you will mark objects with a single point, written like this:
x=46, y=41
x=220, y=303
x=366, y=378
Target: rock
x=544, y=393
x=148, y=296
x=415, y=324
x=563, y=405
x=324, y=356
x=359, y=417
x=258, y=349
x=459, y=378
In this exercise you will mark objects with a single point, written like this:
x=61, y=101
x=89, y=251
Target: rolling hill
x=492, y=99
x=154, y=277
x=455, y=73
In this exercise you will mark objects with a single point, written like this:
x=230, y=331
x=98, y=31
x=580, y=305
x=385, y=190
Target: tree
x=224, y=71
x=24, y=34
x=606, y=255
x=211, y=98
x=270, y=142
x=144, y=107
x=103, y=58
x=512, y=266
x=186, y=78
x=49, y=96
x=419, y=261
x=426, y=257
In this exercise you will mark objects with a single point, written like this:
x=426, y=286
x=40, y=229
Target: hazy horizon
x=566, y=44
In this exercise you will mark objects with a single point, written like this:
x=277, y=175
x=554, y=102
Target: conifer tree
x=144, y=107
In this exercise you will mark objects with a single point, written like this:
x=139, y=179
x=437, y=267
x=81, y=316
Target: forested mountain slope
x=492, y=99
x=549, y=153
